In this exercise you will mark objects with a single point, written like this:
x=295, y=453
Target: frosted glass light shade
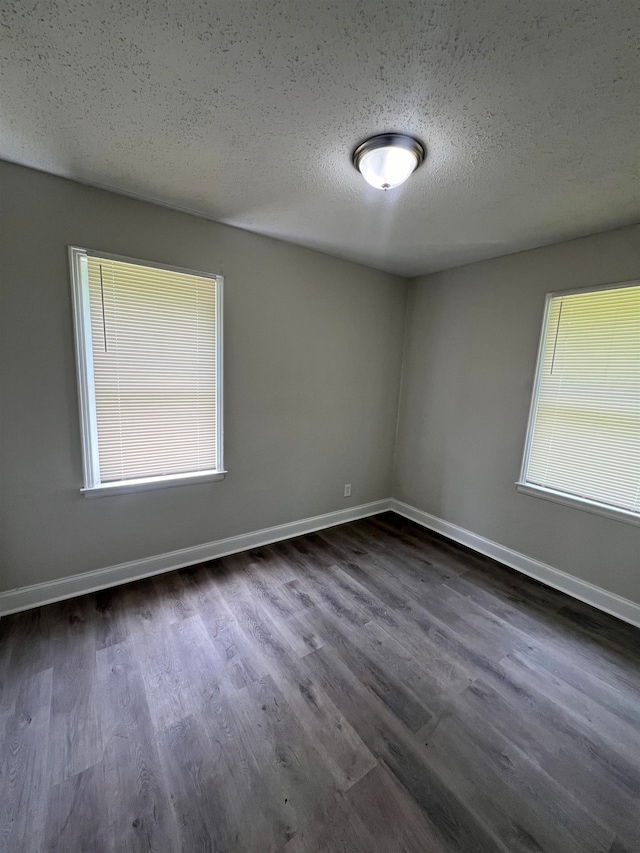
x=386, y=168
x=386, y=161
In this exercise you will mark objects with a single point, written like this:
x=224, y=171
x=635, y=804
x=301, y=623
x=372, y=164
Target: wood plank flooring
x=372, y=687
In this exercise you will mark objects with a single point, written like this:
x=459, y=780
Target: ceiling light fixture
x=386, y=161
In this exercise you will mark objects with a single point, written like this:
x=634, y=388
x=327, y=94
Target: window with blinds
x=149, y=366
x=583, y=443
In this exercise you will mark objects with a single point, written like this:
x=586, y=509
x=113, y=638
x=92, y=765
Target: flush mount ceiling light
x=386, y=161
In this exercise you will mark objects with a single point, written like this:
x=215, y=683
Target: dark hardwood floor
x=369, y=688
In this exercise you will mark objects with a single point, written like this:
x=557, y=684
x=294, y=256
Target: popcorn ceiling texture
x=247, y=112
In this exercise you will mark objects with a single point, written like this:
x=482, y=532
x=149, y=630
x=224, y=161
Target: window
x=149, y=357
x=583, y=442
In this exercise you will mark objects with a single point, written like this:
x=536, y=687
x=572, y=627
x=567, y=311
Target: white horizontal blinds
x=154, y=360
x=586, y=436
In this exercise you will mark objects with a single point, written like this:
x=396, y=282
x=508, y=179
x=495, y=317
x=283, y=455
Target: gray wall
x=313, y=347
x=470, y=354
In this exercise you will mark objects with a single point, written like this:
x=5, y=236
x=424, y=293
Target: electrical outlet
x=347, y=490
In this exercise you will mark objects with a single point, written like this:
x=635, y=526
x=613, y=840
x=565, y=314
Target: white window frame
x=93, y=487
x=536, y=490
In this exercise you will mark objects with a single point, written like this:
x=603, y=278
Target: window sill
x=579, y=503
x=145, y=484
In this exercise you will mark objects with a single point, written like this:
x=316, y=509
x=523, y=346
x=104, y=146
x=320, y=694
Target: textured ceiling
x=246, y=111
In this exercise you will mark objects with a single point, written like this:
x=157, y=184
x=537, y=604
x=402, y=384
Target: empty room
x=320, y=426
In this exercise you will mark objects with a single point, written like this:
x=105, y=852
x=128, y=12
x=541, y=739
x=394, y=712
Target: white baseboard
x=36, y=595
x=611, y=603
